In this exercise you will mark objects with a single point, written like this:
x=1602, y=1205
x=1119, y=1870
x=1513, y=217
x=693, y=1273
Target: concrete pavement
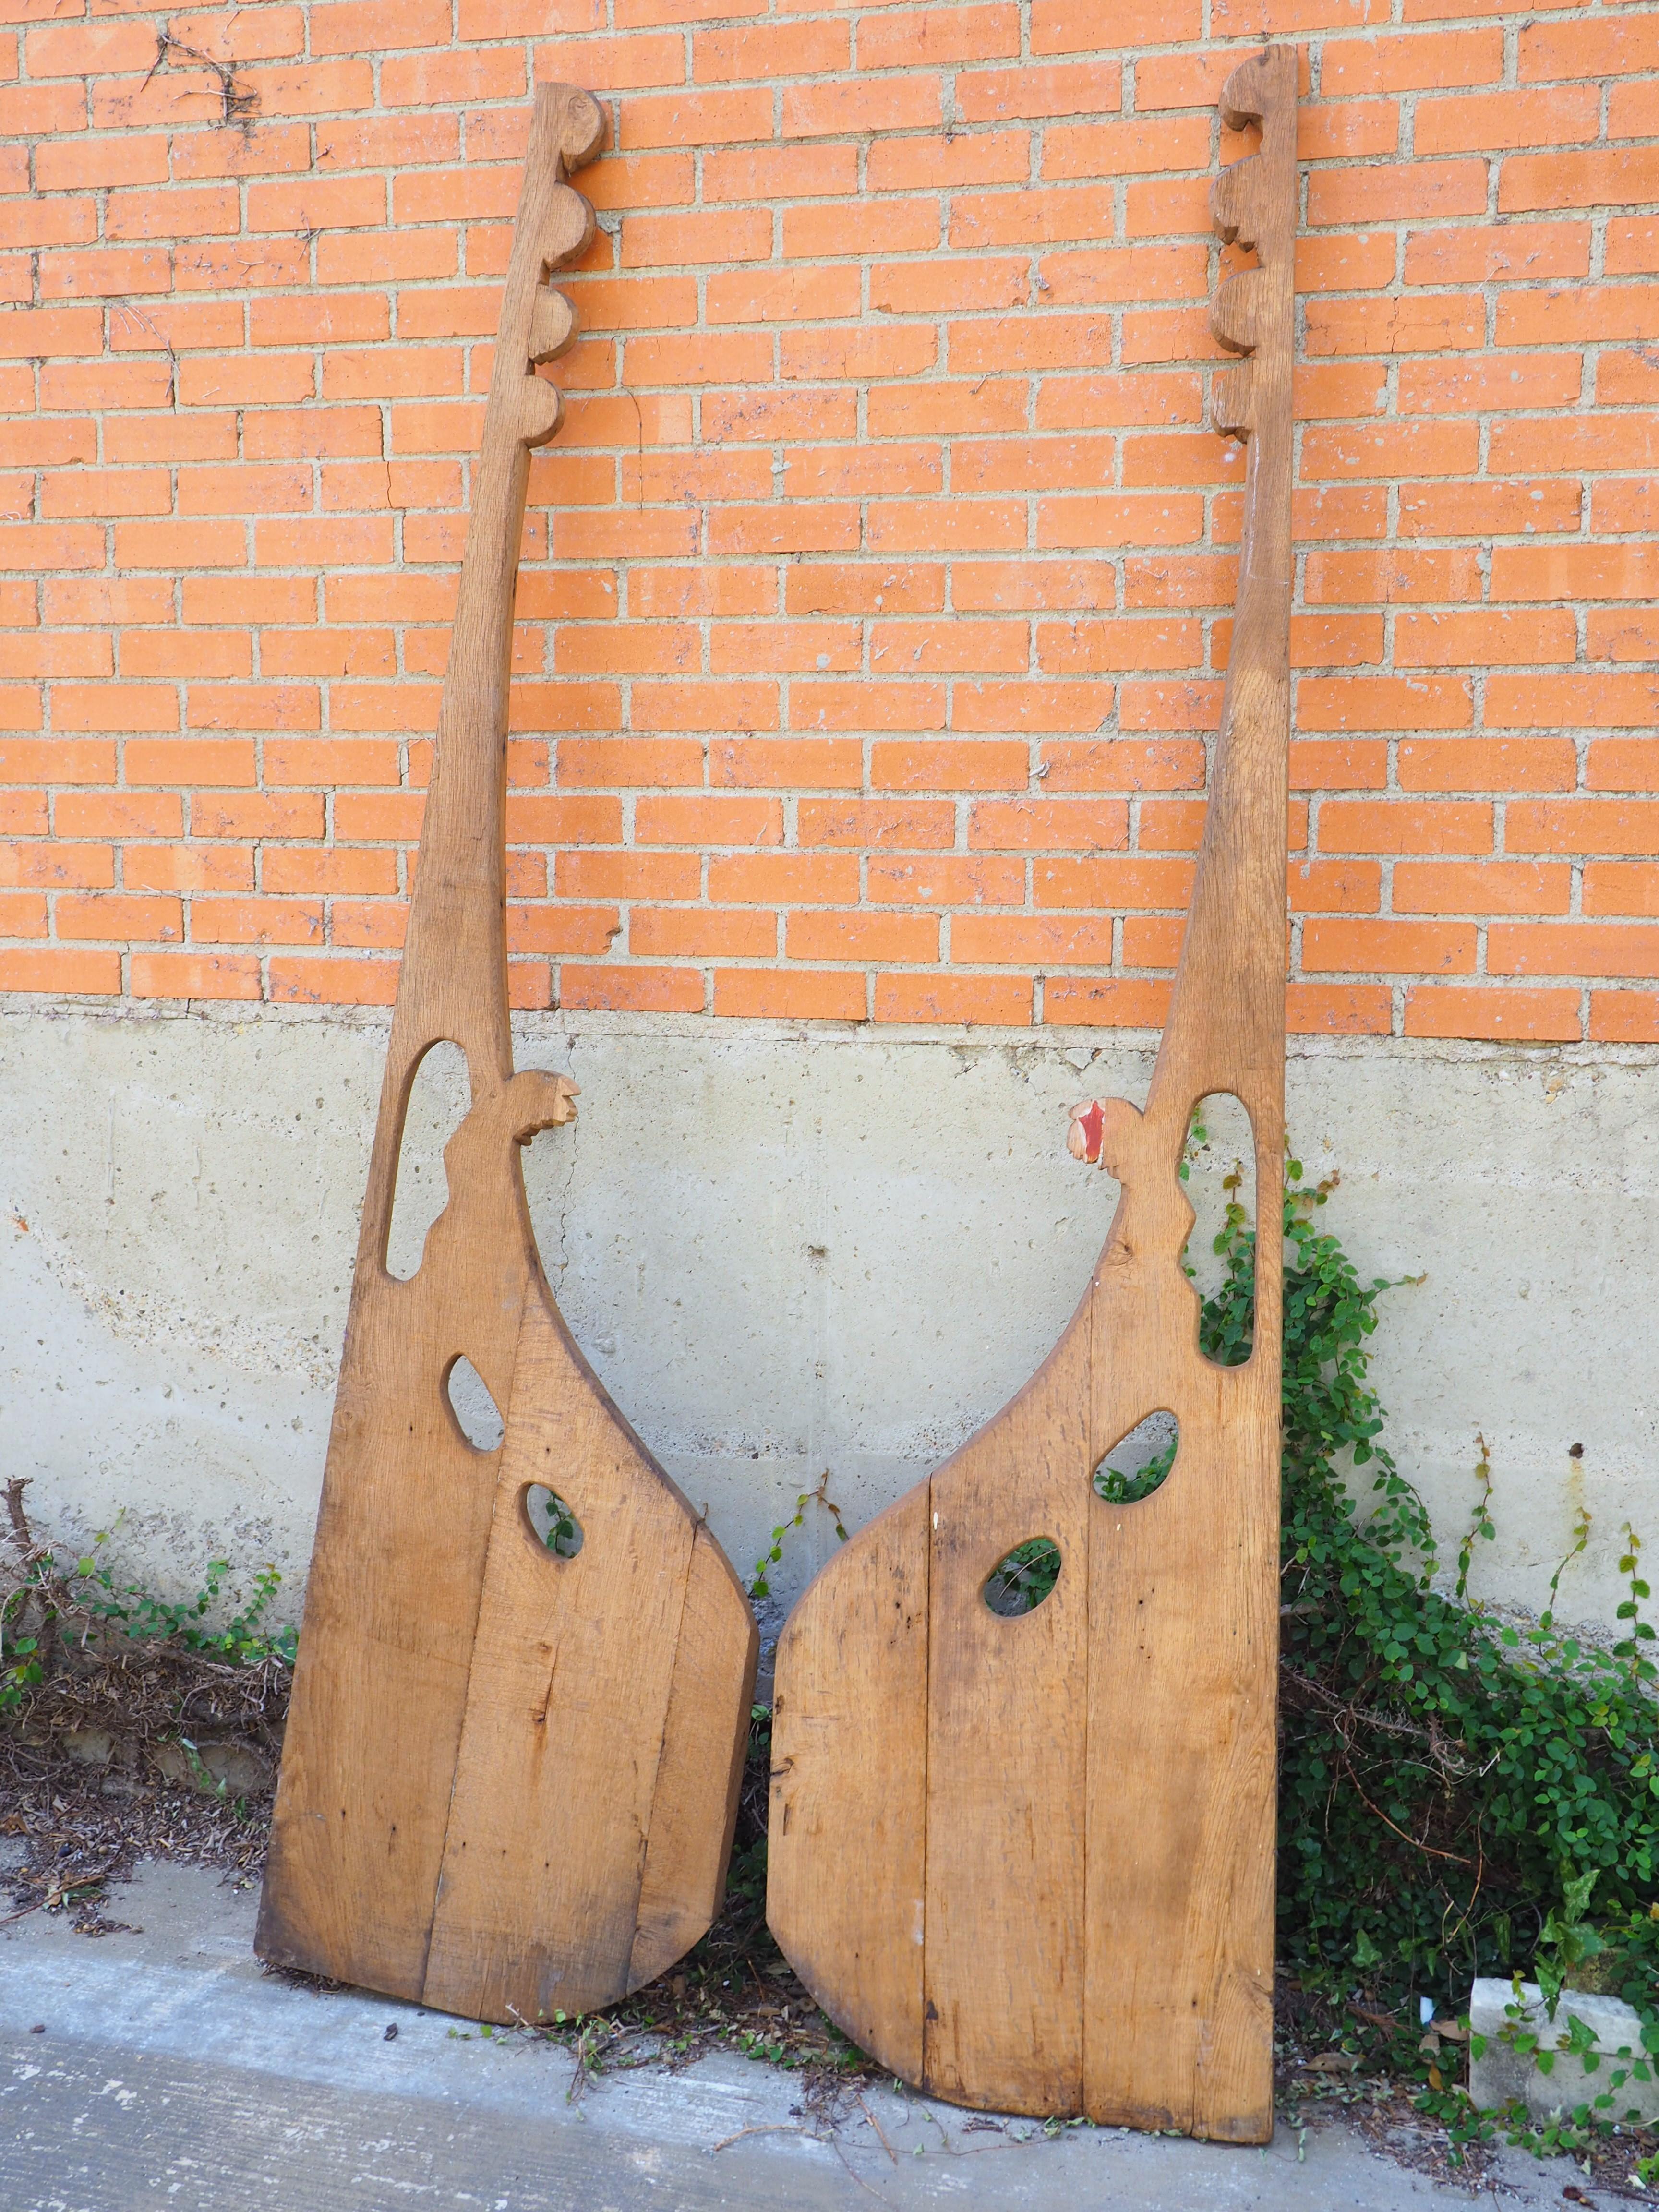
x=160, y=2067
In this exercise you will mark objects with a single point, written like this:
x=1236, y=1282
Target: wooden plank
x=1002, y=2016
x=847, y=1824
x=695, y=1810
x=1098, y=1921
x=466, y=1708
x=557, y=1769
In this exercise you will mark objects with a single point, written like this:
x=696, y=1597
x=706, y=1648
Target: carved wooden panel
x=1028, y=1862
x=510, y=1777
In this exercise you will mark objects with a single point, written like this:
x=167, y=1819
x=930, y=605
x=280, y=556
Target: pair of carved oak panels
x=1026, y=1863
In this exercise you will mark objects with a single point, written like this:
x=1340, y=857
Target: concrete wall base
x=788, y=1252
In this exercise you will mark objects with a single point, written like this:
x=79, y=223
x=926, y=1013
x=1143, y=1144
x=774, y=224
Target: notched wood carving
x=510, y=1774
x=1028, y=1862
x=1253, y=205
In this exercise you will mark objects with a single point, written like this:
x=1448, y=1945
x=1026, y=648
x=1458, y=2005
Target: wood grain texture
x=1098, y=1849
x=479, y=1753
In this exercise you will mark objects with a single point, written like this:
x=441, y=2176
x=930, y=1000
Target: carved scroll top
x=555, y=226
x=1253, y=205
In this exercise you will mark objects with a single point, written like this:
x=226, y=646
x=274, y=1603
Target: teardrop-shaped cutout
x=1137, y=1463
x=470, y=1401
x=551, y=1521
x=1022, y=1578
x=439, y=1100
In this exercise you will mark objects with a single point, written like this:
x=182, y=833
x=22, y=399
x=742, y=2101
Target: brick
x=1572, y=948
x=1448, y=1011
x=1574, y=314
x=1487, y=509
x=696, y=118
x=1624, y=1016
x=1389, y=450
x=702, y=934
x=57, y=865
x=652, y=990
x=1595, y=177
x=110, y=915
x=762, y=52
x=835, y=994
x=1379, y=946
x=1108, y=1002
x=1631, y=246
x=784, y=879
x=826, y=934
x=1324, y=1010
x=1481, y=887
x=912, y=164
x=1624, y=764
x=996, y=707
x=786, y=763
x=911, y=827
x=1607, y=700
x=708, y=820
x=1493, y=382
x=932, y=767
x=195, y=975
x=1484, y=638
x=857, y=110
x=1057, y=825
x=1488, y=764
x=945, y=879
x=1621, y=887
x=991, y=1001
x=1040, y=941
x=1029, y=92
x=1365, y=825
x=1337, y=886
x=1585, y=47
x=226, y=814
x=1510, y=253
x=1559, y=117
x=74, y=974
x=117, y=814
x=332, y=981
x=1581, y=825
x=865, y=704
x=1420, y=61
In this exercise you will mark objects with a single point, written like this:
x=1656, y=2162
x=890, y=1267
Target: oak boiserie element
x=1028, y=1862
x=510, y=1778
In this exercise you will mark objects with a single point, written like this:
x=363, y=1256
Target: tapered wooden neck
x=455, y=969
x=1226, y=1025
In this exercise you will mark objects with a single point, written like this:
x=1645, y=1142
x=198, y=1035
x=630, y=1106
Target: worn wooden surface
x=508, y=1778
x=1067, y=1905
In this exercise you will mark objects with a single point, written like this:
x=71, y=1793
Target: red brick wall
x=877, y=592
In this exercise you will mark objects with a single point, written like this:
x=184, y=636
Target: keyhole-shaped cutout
x=1218, y=1171
x=1137, y=1463
x=551, y=1521
x=470, y=1401
x=1021, y=1580
x=439, y=1100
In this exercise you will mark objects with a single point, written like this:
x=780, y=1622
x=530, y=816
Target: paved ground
x=161, y=2069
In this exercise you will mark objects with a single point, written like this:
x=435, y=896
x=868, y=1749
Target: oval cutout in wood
x=1137, y=1463
x=551, y=1521
x=1219, y=1171
x=1022, y=1578
x=469, y=1400
x=439, y=1100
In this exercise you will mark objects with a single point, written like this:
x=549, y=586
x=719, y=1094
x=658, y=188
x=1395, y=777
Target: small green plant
x=760, y=1584
x=58, y=1614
